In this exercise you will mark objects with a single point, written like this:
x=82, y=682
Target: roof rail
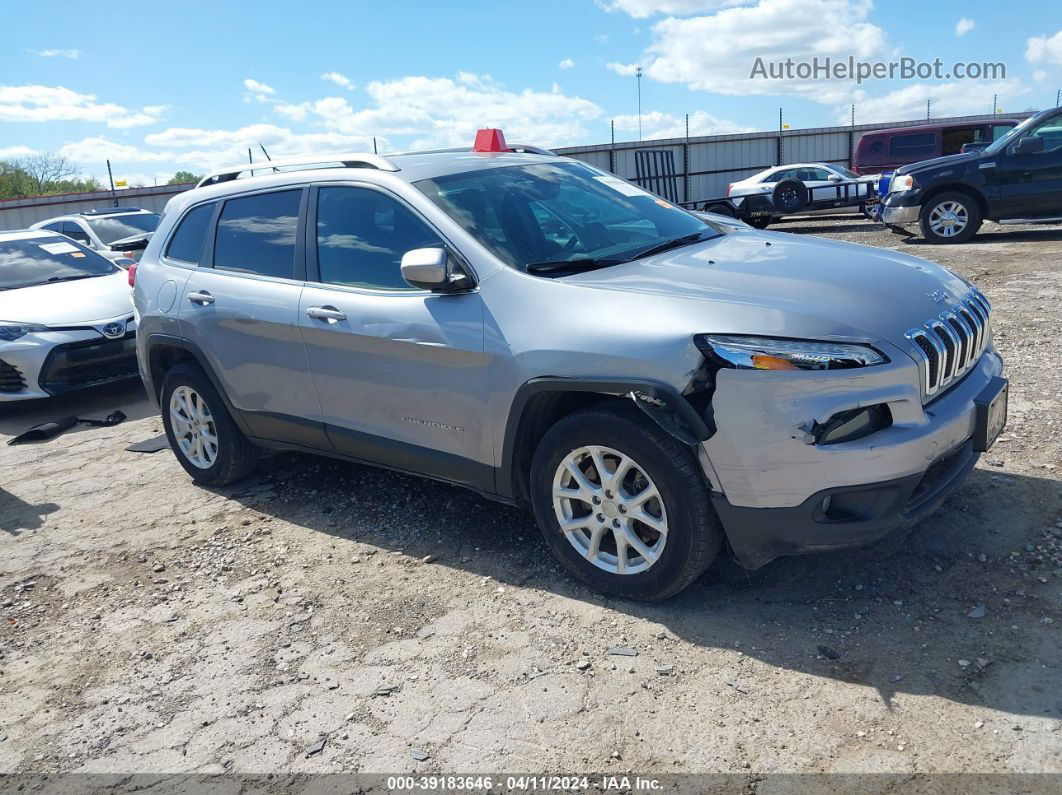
x=531, y=150
x=352, y=160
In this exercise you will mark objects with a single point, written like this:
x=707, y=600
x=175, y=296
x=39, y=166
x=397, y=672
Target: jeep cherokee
x=648, y=380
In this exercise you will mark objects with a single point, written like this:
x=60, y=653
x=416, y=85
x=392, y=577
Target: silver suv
x=650, y=381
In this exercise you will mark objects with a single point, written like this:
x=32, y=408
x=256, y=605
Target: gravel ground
x=148, y=625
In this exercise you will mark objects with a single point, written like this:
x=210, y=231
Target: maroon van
x=885, y=150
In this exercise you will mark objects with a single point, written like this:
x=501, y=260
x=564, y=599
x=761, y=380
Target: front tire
x=201, y=432
x=951, y=217
x=623, y=504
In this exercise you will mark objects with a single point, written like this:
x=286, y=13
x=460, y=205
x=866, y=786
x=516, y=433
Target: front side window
x=110, y=229
x=73, y=230
x=186, y=244
x=546, y=214
x=256, y=234
x=26, y=262
x=362, y=235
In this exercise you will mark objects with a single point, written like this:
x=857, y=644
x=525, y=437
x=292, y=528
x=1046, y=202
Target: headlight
x=12, y=330
x=901, y=183
x=767, y=353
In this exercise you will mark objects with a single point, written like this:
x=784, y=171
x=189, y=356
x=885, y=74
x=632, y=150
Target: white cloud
x=1039, y=75
x=963, y=26
x=567, y=63
x=409, y=112
x=340, y=80
x=13, y=152
x=640, y=9
x=622, y=69
x=258, y=91
x=1044, y=49
x=717, y=52
x=57, y=53
x=54, y=103
x=657, y=125
x=947, y=99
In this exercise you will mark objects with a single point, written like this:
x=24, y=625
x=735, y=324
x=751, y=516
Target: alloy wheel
x=610, y=510
x=948, y=219
x=193, y=427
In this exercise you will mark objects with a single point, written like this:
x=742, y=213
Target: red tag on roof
x=490, y=140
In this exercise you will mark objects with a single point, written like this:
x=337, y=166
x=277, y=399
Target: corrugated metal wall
x=707, y=164
x=20, y=213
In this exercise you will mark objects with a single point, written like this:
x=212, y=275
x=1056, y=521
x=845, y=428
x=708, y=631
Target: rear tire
x=680, y=535
x=201, y=432
x=951, y=217
x=759, y=223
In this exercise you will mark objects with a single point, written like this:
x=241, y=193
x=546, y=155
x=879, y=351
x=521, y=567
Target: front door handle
x=202, y=298
x=326, y=313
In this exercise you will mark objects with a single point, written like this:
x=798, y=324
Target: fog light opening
x=847, y=426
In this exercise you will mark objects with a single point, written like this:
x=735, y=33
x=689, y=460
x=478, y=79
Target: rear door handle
x=202, y=298
x=326, y=313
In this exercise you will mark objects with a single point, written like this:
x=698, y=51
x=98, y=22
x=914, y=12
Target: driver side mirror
x=433, y=269
x=1030, y=144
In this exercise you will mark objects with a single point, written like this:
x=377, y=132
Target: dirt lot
x=150, y=625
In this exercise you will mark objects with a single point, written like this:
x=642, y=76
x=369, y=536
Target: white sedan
x=813, y=175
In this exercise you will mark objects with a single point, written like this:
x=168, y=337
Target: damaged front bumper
x=779, y=491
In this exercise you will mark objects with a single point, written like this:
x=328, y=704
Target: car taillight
x=728, y=187
x=132, y=274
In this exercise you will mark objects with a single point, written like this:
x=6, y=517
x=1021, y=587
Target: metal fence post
x=686, y=163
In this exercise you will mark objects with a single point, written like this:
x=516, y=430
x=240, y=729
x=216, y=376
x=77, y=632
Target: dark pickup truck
x=1015, y=180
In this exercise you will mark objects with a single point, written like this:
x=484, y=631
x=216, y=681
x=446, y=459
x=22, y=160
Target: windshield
x=844, y=172
x=1001, y=143
x=564, y=212
x=115, y=228
x=30, y=261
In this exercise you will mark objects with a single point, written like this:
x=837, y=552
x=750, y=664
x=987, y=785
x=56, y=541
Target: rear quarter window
x=913, y=144
x=186, y=244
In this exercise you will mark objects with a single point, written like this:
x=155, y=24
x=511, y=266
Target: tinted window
x=28, y=261
x=56, y=226
x=75, y=232
x=256, y=234
x=362, y=235
x=187, y=242
x=913, y=144
x=110, y=229
x=999, y=130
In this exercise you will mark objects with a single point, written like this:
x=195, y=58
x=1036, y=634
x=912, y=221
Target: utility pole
x=780, y=128
x=374, y=145
x=928, y=106
x=110, y=176
x=995, y=105
x=1058, y=98
x=638, y=74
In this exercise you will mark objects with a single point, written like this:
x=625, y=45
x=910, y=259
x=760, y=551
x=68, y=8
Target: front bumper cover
x=843, y=517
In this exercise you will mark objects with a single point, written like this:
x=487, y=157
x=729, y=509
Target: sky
x=162, y=87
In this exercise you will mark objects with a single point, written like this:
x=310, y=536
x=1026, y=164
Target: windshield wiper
x=71, y=278
x=676, y=242
x=587, y=264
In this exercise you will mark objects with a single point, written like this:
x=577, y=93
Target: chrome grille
x=951, y=343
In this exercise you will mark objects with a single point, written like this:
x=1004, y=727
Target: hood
x=77, y=303
x=778, y=284
x=926, y=165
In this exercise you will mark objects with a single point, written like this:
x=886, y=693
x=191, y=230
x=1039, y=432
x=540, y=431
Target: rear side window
x=186, y=244
x=912, y=145
x=256, y=234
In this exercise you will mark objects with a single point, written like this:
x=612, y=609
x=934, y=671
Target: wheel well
x=162, y=359
x=968, y=191
x=541, y=412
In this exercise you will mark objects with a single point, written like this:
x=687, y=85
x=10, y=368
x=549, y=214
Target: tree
x=182, y=177
x=46, y=169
